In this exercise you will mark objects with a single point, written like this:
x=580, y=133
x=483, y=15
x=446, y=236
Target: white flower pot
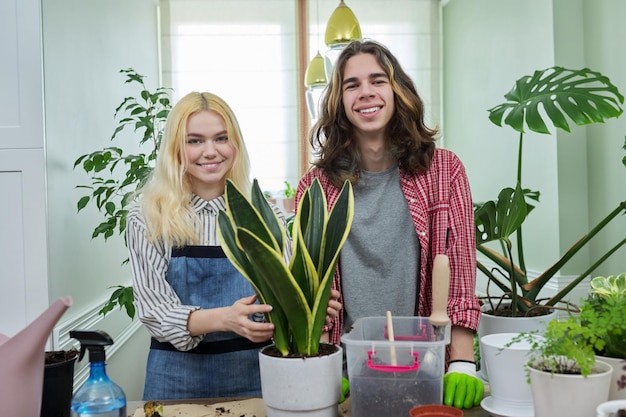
x=490, y=324
x=507, y=373
x=570, y=395
x=617, y=390
x=301, y=386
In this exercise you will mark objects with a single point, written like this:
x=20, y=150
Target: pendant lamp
x=315, y=82
x=342, y=28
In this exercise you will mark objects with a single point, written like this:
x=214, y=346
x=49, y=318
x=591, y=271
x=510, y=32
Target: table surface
x=132, y=406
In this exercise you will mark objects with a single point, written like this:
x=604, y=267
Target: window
x=246, y=52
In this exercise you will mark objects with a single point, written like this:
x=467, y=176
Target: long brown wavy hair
x=409, y=140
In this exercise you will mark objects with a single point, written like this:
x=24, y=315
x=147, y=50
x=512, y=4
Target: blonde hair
x=166, y=197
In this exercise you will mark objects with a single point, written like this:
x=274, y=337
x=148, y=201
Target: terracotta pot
x=289, y=205
x=435, y=410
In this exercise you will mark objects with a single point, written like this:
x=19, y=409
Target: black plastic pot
x=58, y=384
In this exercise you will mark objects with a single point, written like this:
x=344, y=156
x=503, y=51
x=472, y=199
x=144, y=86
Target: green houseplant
x=115, y=175
x=602, y=314
x=565, y=377
x=551, y=96
x=297, y=375
x=254, y=240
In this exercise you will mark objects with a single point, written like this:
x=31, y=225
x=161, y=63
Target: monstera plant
x=551, y=96
x=255, y=241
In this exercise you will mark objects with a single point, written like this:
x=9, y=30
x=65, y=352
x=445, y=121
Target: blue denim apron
x=224, y=364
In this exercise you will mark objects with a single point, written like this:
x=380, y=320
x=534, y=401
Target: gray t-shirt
x=380, y=259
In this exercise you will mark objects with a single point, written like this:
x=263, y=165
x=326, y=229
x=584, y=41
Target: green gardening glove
x=345, y=389
x=461, y=387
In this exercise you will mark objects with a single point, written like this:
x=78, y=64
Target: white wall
x=85, y=45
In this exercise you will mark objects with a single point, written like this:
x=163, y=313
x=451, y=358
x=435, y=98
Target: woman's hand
x=237, y=319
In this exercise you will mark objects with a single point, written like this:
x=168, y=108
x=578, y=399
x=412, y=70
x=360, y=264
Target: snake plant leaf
x=267, y=214
x=300, y=267
x=272, y=269
x=340, y=218
x=239, y=259
x=247, y=214
x=314, y=229
x=584, y=96
x=305, y=251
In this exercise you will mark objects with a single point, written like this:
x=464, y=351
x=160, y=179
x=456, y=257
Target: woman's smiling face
x=210, y=155
x=368, y=98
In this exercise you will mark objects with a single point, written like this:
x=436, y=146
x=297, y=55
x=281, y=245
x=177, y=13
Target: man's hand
x=334, y=306
x=461, y=387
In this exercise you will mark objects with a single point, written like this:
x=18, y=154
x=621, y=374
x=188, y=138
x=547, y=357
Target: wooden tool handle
x=441, y=284
x=391, y=337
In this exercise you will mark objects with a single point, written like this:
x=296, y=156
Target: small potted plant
x=58, y=382
x=603, y=316
x=298, y=373
x=565, y=376
x=289, y=195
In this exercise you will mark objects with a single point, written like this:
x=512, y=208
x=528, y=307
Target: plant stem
x=518, y=234
x=540, y=281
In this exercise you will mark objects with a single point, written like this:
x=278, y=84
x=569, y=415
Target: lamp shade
x=342, y=27
x=315, y=72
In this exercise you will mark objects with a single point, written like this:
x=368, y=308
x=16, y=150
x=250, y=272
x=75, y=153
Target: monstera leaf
x=584, y=96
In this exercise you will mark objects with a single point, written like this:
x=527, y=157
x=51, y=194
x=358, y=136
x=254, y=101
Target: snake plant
x=255, y=241
x=553, y=95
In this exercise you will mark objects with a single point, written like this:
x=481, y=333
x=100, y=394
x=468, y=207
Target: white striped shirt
x=158, y=306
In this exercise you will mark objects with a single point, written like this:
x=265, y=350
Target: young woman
x=412, y=202
x=205, y=323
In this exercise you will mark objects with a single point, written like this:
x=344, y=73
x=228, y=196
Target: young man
x=412, y=202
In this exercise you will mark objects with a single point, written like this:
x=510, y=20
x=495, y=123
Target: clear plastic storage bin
x=378, y=387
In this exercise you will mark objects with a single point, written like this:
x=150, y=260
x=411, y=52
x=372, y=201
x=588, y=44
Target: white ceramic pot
x=610, y=408
x=617, y=390
x=506, y=367
x=301, y=386
x=570, y=395
x=490, y=324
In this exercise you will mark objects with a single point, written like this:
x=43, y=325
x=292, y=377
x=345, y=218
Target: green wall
x=487, y=45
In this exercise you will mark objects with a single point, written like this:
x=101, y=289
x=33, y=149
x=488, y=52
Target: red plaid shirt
x=440, y=204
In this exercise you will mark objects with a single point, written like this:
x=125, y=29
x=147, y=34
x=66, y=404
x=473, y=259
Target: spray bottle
x=99, y=396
